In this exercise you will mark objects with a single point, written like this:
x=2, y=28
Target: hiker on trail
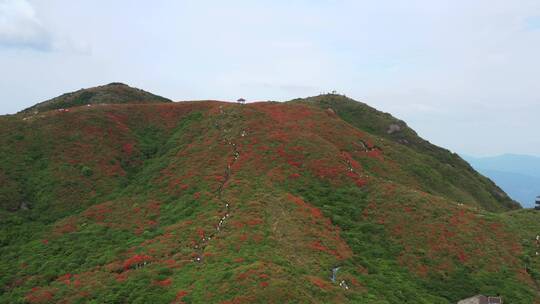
x=343, y=284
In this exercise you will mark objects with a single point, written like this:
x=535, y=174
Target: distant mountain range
x=517, y=175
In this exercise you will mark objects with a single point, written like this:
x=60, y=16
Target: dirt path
x=203, y=242
x=201, y=245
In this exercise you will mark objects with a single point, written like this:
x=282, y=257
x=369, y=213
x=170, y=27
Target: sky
x=464, y=74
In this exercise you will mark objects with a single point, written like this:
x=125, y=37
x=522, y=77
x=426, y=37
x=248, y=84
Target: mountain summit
x=112, y=93
x=316, y=200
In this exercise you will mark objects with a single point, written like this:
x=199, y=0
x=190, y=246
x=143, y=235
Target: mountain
x=521, y=164
x=316, y=200
x=518, y=175
x=111, y=93
x=522, y=188
x=439, y=170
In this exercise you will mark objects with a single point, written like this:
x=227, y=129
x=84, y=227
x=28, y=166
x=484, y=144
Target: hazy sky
x=464, y=74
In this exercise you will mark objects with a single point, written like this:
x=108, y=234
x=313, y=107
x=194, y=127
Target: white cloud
x=462, y=73
x=20, y=26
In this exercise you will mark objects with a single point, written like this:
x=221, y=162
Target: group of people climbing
x=200, y=246
x=204, y=240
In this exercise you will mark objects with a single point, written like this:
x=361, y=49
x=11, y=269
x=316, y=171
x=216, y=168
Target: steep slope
x=212, y=202
x=112, y=93
x=440, y=171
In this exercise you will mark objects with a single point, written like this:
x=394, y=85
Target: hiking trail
x=201, y=245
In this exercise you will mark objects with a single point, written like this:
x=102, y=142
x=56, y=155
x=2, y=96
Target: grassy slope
x=441, y=172
x=115, y=185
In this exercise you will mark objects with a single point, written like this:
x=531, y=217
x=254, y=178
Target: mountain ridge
x=215, y=202
x=385, y=125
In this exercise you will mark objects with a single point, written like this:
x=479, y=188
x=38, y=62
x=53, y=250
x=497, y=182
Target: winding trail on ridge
x=201, y=245
x=334, y=270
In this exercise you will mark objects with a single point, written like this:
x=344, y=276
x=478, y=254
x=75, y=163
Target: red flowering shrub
x=163, y=283
x=98, y=212
x=39, y=295
x=294, y=175
x=360, y=182
x=458, y=237
x=121, y=277
x=318, y=246
x=295, y=163
x=66, y=228
x=313, y=211
x=201, y=233
x=127, y=148
x=319, y=282
x=137, y=261
x=375, y=153
x=254, y=222
x=119, y=120
x=179, y=297
x=66, y=279
x=350, y=161
x=326, y=169
x=181, y=294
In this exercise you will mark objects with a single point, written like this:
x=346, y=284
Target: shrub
x=86, y=171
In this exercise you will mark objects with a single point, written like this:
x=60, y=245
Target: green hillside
x=214, y=202
x=441, y=171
